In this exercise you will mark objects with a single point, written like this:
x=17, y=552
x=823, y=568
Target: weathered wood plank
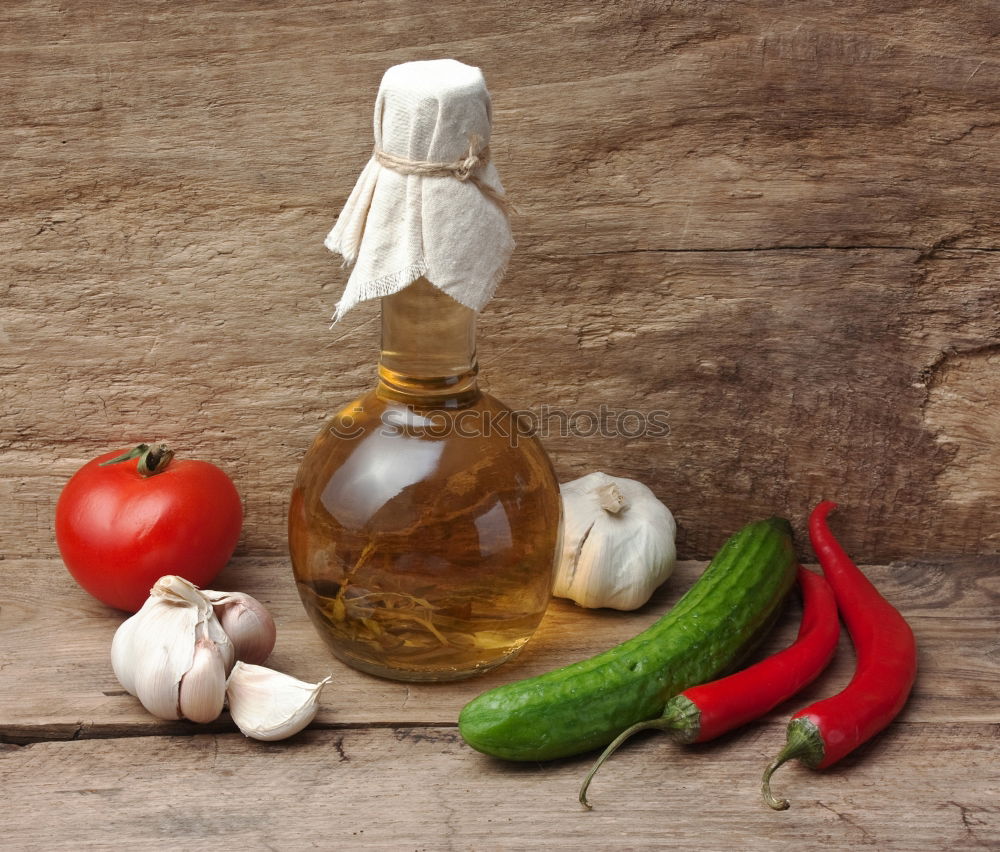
x=56, y=680
x=688, y=125
x=778, y=393
x=920, y=787
x=773, y=397
x=170, y=173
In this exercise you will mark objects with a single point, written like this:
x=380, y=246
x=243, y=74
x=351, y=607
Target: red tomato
x=119, y=532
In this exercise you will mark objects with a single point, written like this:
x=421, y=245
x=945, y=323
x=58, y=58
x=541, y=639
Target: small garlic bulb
x=170, y=654
x=174, y=655
x=247, y=623
x=268, y=705
x=617, y=544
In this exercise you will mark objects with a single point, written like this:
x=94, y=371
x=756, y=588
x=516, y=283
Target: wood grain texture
x=781, y=228
x=82, y=765
x=424, y=789
x=57, y=682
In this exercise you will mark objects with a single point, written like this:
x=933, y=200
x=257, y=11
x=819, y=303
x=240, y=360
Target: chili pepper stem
x=804, y=743
x=661, y=723
x=152, y=460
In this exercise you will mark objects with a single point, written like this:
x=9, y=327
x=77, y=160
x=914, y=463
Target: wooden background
x=777, y=223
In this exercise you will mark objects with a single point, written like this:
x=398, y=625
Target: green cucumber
x=585, y=705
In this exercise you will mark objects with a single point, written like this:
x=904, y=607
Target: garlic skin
x=154, y=650
x=618, y=543
x=268, y=705
x=247, y=622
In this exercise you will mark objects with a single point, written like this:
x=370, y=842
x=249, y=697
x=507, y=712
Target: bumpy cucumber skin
x=583, y=706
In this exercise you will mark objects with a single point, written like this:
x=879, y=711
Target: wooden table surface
x=82, y=766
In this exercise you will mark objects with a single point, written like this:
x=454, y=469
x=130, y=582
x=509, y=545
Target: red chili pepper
x=826, y=731
x=704, y=712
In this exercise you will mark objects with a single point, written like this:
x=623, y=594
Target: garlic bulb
x=247, y=623
x=268, y=705
x=175, y=652
x=617, y=544
x=175, y=636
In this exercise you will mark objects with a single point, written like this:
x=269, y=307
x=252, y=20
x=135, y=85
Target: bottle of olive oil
x=424, y=521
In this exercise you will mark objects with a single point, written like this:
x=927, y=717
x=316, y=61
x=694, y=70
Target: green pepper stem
x=152, y=460
x=661, y=723
x=804, y=743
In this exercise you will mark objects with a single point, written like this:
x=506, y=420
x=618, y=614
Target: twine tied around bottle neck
x=464, y=169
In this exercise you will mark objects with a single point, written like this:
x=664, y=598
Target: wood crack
x=923, y=251
x=866, y=836
x=23, y=736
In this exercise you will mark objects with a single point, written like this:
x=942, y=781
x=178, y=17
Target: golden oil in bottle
x=424, y=522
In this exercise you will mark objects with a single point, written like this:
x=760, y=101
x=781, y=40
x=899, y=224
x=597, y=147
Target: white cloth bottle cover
x=429, y=202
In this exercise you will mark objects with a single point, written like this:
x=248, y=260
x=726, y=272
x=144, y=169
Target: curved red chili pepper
x=704, y=712
x=886, y=650
x=747, y=695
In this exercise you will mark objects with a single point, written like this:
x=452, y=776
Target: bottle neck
x=428, y=348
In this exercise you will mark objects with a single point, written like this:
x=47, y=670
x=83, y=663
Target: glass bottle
x=423, y=524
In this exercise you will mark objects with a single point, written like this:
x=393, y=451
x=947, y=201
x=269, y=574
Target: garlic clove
x=202, y=692
x=247, y=622
x=122, y=656
x=577, y=521
x=268, y=705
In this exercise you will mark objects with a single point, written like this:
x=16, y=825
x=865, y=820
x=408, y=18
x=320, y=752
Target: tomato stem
x=152, y=460
x=134, y=453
